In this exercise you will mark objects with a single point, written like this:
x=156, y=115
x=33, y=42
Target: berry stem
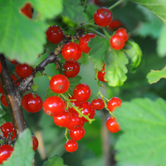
x=97, y=33
x=106, y=33
x=115, y=4
x=77, y=109
x=85, y=2
x=66, y=134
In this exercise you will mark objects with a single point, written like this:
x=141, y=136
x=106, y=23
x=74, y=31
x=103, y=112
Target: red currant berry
x=114, y=103
x=72, y=68
x=14, y=62
x=0, y=67
x=117, y=42
x=54, y=34
x=3, y=100
x=112, y=125
x=77, y=134
x=14, y=78
x=7, y=128
x=32, y=102
x=83, y=42
x=54, y=106
x=71, y=109
x=35, y=142
x=101, y=74
x=27, y=10
x=97, y=104
x=62, y=120
x=5, y=152
x=123, y=33
x=59, y=83
x=97, y=2
x=103, y=17
x=1, y=89
x=71, y=146
x=75, y=122
x=23, y=70
x=82, y=92
x=115, y=24
x=71, y=51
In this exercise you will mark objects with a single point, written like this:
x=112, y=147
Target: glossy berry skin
x=81, y=92
x=27, y=10
x=54, y=34
x=71, y=146
x=35, y=142
x=7, y=128
x=117, y=42
x=5, y=152
x=71, y=109
x=71, y=68
x=54, y=106
x=123, y=33
x=32, y=102
x=97, y=104
x=71, y=51
x=103, y=17
x=112, y=125
x=101, y=74
x=114, y=103
x=23, y=70
x=83, y=42
x=75, y=123
x=59, y=83
x=115, y=24
x=0, y=67
x=62, y=120
x=77, y=134
x=3, y=100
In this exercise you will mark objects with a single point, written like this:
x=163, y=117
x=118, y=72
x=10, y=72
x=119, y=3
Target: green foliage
x=161, y=49
x=143, y=140
x=25, y=42
x=23, y=152
x=54, y=160
x=2, y=113
x=155, y=75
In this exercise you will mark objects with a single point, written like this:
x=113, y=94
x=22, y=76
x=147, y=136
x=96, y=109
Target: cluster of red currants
x=9, y=133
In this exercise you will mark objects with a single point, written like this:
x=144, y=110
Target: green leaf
x=157, y=7
x=34, y=87
x=38, y=74
x=54, y=160
x=143, y=140
x=161, y=49
x=2, y=112
x=74, y=11
x=50, y=93
x=23, y=152
x=98, y=50
x=115, y=67
x=155, y=75
x=134, y=53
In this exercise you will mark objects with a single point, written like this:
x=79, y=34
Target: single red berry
x=115, y=24
x=83, y=42
x=97, y=104
x=7, y=128
x=82, y=92
x=62, y=120
x=114, y=103
x=54, y=106
x=71, y=146
x=5, y=152
x=23, y=70
x=123, y=33
x=112, y=125
x=32, y=102
x=71, y=51
x=101, y=74
x=35, y=142
x=97, y=2
x=72, y=68
x=14, y=78
x=117, y=42
x=1, y=89
x=59, y=83
x=0, y=67
x=103, y=17
x=27, y=10
x=54, y=34
x=3, y=100
x=77, y=134
x=75, y=123
x=14, y=62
